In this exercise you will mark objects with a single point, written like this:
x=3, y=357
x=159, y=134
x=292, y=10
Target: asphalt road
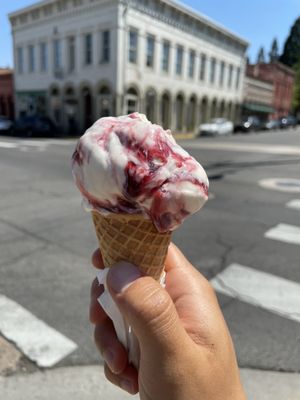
x=46, y=238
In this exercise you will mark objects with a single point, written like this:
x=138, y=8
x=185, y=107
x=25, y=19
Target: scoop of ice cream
x=129, y=165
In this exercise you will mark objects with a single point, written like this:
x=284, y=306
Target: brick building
x=258, y=98
x=6, y=93
x=282, y=77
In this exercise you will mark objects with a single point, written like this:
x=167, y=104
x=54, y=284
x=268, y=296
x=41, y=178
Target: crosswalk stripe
x=32, y=143
x=64, y=142
x=8, y=145
x=284, y=233
x=244, y=147
x=37, y=143
x=261, y=289
x=37, y=340
x=294, y=204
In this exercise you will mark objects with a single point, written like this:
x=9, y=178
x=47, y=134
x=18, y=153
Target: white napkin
x=123, y=330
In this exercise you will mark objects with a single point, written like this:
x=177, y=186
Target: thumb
x=147, y=308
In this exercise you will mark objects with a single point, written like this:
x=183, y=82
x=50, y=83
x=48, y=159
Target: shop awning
x=31, y=93
x=263, y=108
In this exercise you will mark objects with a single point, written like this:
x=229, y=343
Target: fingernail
x=127, y=385
x=109, y=358
x=122, y=275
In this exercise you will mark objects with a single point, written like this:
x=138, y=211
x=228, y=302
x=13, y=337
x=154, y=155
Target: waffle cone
x=132, y=238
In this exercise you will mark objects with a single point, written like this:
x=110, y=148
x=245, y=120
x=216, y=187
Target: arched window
x=213, y=111
x=69, y=92
x=204, y=110
x=87, y=107
x=55, y=103
x=70, y=111
x=105, y=101
x=191, y=114
x=229, y=110
x=165, y=110
x=132, y=101
x=150, y=105
x=222, y=109
x=179, y=104
x=54, y=91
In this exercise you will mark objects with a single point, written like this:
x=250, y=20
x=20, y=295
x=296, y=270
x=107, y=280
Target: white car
x=5, y=124
x=216, y=126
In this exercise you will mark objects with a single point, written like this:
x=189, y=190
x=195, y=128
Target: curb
x=183, y=136
x=89, y=383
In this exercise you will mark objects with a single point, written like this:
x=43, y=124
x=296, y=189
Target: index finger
x=97, y=260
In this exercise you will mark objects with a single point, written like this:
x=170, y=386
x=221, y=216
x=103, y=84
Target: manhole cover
x=281, y=184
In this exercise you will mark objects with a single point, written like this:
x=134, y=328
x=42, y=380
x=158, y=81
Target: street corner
x=270, y=385
x=10, y=358
x=67, y=383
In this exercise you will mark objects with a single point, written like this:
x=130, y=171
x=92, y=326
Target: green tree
x=296, y=92
x=261, y=56
x=273, y=54
x=291, y=51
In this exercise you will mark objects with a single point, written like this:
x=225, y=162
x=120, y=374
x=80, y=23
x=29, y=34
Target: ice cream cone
x=132, y=238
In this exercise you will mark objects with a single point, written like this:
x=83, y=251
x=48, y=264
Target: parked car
x=289, y=122
x=249, y=124
x=35, y=126
x=272, y=124
x=216, y=126
x=5, y=124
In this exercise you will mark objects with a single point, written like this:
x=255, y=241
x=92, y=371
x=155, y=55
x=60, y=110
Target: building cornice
x=284, y=68
x=66, y=9
x=183, y=19
x=206, y=20
x=278, y=65
x=30, y=8
x=174, y=5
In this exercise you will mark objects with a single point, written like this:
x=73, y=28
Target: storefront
x=31, y=103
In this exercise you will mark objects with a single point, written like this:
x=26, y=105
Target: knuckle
x=156, y=308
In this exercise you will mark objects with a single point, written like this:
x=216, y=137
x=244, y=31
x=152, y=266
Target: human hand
x=186, y=351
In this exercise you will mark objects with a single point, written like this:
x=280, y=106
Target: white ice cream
x=128, y=165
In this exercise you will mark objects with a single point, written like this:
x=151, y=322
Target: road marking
x=24, y=145
x=289, y=185
x=8, y=145
x=261, y=289
x=64, y=142
x=246, y=147
x=294, y=204
x=284, y=233
x=38, y=144
x=32, y=143
x=37, y=340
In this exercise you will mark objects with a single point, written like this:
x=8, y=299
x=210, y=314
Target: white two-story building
x=77, y=60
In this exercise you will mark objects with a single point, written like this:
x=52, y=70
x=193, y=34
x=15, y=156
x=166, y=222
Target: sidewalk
x=88, y=383
x=183, y=136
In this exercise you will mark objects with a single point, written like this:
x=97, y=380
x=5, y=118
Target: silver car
x=216, y=126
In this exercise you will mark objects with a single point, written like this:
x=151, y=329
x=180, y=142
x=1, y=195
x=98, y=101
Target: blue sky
x=258, y=21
